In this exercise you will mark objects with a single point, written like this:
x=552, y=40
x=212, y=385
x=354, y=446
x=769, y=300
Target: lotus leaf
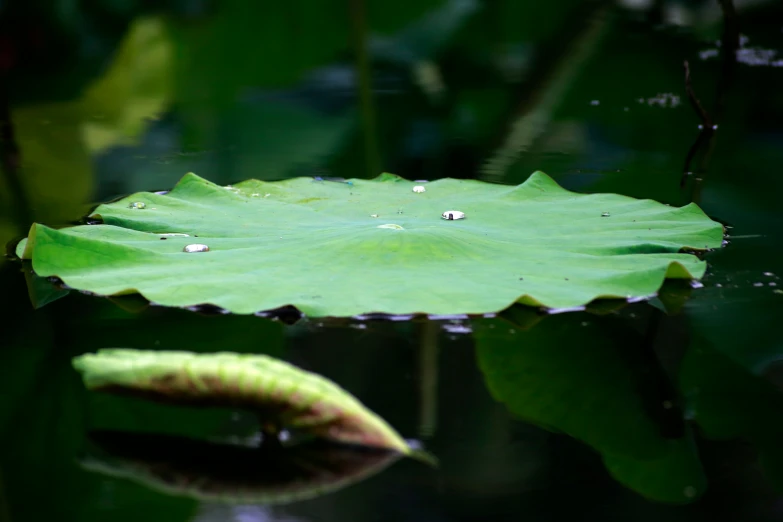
x=575, y=374
x=358, y=246
x=283, y=395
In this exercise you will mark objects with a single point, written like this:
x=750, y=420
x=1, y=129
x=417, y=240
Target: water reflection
x=209, y=471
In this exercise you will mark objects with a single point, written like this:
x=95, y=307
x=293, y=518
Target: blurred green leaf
x=590, y=381
x=728, y=402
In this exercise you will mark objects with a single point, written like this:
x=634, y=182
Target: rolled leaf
x=281, y=394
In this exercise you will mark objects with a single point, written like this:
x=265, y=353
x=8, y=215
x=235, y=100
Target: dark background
x=668, y=410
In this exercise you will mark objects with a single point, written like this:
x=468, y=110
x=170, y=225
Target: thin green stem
x=428, y=379
x=364, y=87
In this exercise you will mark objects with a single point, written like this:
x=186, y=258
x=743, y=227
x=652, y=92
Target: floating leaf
x=579, y=377
x=317, y=245
x=283, y=395
x=229, y=473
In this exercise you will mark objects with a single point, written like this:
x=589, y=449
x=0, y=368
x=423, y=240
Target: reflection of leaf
x=282, y=394
x=587, y=380
x=303, y=242
x=230, y=473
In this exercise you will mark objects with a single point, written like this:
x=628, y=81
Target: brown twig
x=707, y=124
x=729, y=47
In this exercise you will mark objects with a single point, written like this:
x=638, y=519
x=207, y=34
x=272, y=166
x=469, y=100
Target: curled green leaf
x=282, y=395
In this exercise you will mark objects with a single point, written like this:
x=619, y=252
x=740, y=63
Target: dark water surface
x=663, y=410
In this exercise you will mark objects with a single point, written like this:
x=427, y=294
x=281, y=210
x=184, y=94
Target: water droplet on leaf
x=605, y=214
x=138, y=205
x=451, y=215
x=419, y=189
x=196, y=247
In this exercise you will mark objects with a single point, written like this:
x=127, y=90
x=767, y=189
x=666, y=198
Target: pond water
x=670, y=409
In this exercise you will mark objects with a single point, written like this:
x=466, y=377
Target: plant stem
x=428, y=379
x=364, y=87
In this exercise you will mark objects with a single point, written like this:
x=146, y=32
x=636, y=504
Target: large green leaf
x=376, y=246
x=280, y=393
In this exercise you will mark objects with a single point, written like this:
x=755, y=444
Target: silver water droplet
x=451, y=215
x=138, y=205
x=419, y=189
x=697, y=284
x=605, y=214
x=392, y=226
x=373, y=215
x=768, y=274
x=758, y=284
x=196, y=247
x=174, y=234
